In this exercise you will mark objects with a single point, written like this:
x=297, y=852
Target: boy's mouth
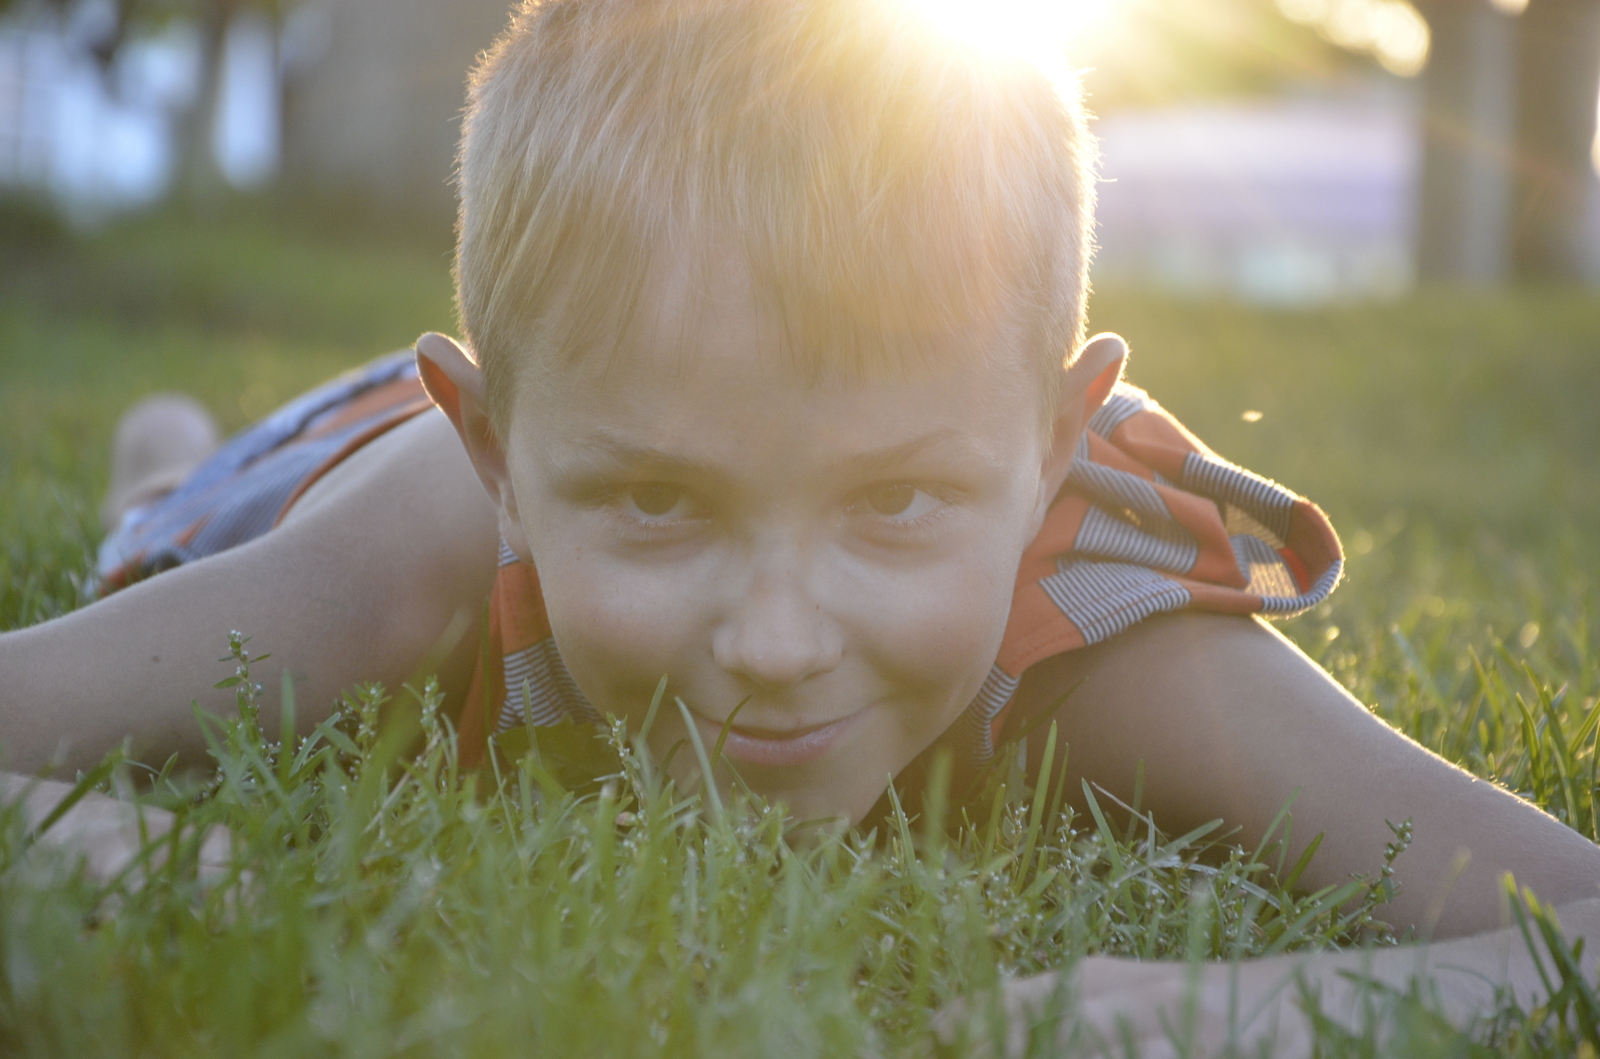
x=776, y=748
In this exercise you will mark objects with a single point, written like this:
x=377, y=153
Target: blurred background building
x=1278, y=151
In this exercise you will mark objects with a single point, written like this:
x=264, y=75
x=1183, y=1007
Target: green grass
x=393, y=907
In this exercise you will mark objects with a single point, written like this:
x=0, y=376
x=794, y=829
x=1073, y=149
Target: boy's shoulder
x=418, y=464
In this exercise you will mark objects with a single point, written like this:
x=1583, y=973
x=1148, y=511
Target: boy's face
x=839, y=558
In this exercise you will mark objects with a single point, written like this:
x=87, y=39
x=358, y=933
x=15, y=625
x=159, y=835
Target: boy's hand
x=1116, y=1006
x=1104, y=1005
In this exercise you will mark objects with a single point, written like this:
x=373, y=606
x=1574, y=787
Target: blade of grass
x=286, y=730
x=655, y=705
x=727, y=726
x=712, y=797
x=86, y=783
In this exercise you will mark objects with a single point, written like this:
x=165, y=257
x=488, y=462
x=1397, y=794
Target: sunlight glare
x=1047, y=33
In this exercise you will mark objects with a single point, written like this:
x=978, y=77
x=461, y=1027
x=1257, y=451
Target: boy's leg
x=158, y=443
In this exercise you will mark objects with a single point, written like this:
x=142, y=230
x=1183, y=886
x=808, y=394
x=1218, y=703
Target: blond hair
x=881, y=182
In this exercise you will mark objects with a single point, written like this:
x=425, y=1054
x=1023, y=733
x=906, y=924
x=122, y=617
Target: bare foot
x=159, y=441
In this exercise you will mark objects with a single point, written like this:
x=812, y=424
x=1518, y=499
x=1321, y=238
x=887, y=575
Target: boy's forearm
x=360, y=588
x=1219, y=717
x=131, y=665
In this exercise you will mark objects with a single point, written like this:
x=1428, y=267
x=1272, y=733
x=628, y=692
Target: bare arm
x=358, y=584
x=1230, y=720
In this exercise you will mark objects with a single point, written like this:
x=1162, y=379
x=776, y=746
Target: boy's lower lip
x=779, y=749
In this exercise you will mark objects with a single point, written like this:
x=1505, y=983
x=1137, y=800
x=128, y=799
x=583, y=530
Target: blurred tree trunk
x=200, y=181
x=1469, y=92
x=1557, y=86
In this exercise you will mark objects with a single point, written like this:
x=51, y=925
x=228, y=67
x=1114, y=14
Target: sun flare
x=1049, y=33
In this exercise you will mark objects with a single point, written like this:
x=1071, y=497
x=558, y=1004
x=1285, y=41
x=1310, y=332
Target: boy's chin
x=817, y=802
x=825, y=778
x=827, y=803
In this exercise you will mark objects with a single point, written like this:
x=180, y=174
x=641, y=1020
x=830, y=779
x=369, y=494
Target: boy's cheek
x=946, y=631
x=619, y=632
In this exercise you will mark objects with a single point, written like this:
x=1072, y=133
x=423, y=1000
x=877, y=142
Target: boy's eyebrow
x=961, y=444
x=601, y=450
x=604, y=448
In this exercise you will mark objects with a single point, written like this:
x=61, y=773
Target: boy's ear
x=455, y=383
x=1095, y=373
x=1086, y=386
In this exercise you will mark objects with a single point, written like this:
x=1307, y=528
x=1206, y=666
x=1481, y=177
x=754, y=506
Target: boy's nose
x=776, y=634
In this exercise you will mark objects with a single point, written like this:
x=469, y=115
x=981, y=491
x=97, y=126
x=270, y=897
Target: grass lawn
x=389, y=910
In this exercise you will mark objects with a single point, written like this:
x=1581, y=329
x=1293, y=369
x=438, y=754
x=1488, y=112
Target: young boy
x=776, y=385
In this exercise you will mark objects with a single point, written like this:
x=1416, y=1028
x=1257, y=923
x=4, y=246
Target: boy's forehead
x=706, y=300
x=703, y=378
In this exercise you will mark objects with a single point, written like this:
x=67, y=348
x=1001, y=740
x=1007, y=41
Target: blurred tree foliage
x=1163, y=51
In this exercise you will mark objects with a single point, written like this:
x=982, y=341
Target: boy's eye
x=891, y=499
x=655, y=499
x=900, y=501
